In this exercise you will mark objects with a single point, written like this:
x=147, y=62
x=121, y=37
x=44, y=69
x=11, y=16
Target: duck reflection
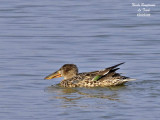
x=72, y=94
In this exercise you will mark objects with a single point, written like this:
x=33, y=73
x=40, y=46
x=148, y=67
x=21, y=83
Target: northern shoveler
x=102, y=78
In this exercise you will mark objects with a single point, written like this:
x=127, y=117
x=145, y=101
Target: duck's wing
x=96, y=75
x=107, y=70
x=115, y=78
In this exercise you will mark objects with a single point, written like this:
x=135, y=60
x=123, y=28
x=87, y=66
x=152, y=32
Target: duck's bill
x=53, y=75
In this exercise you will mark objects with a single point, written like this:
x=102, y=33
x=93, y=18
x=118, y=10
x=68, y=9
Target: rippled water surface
x=38, y=36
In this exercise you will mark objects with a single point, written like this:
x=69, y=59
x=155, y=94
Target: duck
x=100, y=78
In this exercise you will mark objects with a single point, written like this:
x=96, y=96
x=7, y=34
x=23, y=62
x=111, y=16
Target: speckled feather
x=108, y=78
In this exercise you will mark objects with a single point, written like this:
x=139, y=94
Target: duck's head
x=67, y=71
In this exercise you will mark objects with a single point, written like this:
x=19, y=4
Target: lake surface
x=38, y=37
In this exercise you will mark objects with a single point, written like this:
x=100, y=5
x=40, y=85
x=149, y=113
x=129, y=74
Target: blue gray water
x=38, y=36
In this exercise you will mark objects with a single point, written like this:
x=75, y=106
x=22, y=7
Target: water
x=38, y=37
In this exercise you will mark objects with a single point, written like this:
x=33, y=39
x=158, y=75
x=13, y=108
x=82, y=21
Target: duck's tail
x=128, y=79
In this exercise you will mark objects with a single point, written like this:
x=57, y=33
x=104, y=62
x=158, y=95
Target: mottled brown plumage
x=102, y=78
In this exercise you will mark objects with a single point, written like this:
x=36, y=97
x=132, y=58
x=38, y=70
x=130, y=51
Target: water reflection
x=72, y=94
